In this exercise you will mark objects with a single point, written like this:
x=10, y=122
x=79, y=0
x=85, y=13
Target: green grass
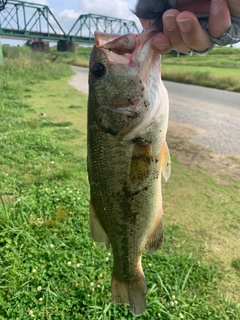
x=218, y=69
x=49, y=266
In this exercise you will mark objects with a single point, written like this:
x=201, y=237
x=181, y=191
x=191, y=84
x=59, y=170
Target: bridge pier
x=64, y=45
x=40, y=46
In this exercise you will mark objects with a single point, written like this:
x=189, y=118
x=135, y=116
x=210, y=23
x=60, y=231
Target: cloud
x=43, y=2
x=117, y=9
x=69, y=15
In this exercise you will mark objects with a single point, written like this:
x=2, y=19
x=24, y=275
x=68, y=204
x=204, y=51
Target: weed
x=49, y=266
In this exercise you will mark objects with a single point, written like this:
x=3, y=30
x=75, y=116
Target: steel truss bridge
x=31, y=21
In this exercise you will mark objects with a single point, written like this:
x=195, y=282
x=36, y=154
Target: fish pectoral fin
x=155, y=239
x=99, y=235
x=165, y=161
x=132, y=293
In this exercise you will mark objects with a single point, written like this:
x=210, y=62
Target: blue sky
x=67, y=12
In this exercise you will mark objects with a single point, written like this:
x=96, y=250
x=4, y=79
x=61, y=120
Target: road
x=214, y=115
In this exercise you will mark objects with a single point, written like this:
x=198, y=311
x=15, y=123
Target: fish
x=127, y=153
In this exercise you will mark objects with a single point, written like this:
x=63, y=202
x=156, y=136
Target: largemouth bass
x=127, y=152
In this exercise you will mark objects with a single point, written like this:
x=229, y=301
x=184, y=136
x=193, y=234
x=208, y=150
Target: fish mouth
x=135, y=95
x=130, y=50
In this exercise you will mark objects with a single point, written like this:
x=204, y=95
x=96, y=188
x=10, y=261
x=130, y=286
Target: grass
x=49, y=266
x=218, y=69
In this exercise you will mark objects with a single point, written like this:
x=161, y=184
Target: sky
x=67, y=12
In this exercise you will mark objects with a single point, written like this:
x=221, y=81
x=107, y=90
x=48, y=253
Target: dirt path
x=194, y=135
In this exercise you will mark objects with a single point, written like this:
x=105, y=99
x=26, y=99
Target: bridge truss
x=31, y=21
x=28, y=20
x=88, y=23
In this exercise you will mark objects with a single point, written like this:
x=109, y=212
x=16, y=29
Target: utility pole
x=2, y=6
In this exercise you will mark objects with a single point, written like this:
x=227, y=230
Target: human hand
x=182, y=30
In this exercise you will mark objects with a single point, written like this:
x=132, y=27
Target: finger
x=234, y=7
x=161, y=43
x=172, y=32
x=219, y=12
x=192, y=33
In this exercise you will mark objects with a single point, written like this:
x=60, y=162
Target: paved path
x=214, y=115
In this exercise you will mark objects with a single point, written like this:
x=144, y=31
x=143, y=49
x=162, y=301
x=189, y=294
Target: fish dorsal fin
x=165, y=161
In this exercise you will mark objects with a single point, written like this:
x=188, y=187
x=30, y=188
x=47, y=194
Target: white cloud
x=117, y=9
x=69, y=15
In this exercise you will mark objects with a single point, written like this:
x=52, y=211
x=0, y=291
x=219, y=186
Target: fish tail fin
x=132, y=293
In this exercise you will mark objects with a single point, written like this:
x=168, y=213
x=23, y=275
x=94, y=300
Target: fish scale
x=127, y=152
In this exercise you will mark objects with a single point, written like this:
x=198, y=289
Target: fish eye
x=98, y=70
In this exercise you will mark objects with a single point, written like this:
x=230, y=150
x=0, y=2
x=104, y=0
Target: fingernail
x=215, y=7
x=161, y=47
x=169, y=21
x=185, y=25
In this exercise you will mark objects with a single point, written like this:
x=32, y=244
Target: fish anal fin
x=140, y=163
x=132, y=293
x=155, y=239
x=99, y=235
x=165, y=161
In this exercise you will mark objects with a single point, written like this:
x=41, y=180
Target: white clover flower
x=52, y=162
x=39, y=288
x=176, y=302
x=91, y=284
x=107, y=259
x=98, y=286
x=181, y=316
x=173, y=297
x=30, y=313
x=69, y=263
x=149, y=264
x=171, y=303
x=34, y=270
x=100, y=276
x=40, y=299
x=51, y=245
x=78, y=265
